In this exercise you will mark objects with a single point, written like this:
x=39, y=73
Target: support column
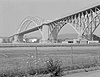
x=18, y=38
x=45, y=34
x=54, y=35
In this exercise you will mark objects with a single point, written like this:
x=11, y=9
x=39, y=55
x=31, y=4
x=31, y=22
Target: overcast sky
x=12, y=12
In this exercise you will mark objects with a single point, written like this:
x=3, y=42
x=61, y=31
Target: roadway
x=85, y=74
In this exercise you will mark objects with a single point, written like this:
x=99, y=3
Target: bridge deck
x=30, y=30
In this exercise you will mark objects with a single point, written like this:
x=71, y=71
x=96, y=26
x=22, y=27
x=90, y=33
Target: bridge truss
x=27, y=21
x=84, y=22
x=22, y=29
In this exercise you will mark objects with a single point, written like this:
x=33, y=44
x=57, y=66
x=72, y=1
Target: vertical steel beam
x=91, y=35
x=87, y=23
x=79, y=21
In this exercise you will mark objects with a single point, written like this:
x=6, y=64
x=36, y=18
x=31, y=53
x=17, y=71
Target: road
x=85, y=74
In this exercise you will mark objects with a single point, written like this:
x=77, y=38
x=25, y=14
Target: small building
x=69, y=41
x=83, y=41
x=1, y=40
x=4, y=40
x=31, y=40
x=93, y=42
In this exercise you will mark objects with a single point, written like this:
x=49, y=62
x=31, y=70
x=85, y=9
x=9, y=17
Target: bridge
x=84, y=23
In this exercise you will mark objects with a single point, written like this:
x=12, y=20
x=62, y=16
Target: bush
x=54, y=67
x=13, y=73
x=31, y=71
x=42, y=70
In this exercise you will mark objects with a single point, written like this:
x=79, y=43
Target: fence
x=69, y=54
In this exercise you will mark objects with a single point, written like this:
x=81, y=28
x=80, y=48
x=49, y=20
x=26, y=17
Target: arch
x=96, y=21
x=59, y=29
x=73, y=28
x=27, y=21
x=71, y=25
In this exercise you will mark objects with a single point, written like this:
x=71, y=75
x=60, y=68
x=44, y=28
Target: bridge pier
x=45, y=34
x=18, y=38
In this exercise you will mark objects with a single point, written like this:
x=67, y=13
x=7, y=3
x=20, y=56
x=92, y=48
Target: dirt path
x=85, y=74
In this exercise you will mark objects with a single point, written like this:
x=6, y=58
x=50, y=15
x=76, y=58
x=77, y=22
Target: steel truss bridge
x=84, y=23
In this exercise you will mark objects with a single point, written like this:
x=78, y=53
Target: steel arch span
x=84, y=23
x=18, y=37
x=27, y=21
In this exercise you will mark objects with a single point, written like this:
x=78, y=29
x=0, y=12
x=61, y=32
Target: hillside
x=68, y=36
x=71, y=36
x=95, y=37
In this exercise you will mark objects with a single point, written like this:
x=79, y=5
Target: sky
x=12, y=12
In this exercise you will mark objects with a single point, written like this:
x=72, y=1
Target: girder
x=84, y=22
x=95, y=22
x=30, y=30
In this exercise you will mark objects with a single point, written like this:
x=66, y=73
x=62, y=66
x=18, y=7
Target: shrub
x=54, y=67
x=31, y=71
x=13, y=73
x=42, y=70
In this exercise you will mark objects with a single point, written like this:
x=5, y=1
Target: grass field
x=24, y=57
x=66, y=54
